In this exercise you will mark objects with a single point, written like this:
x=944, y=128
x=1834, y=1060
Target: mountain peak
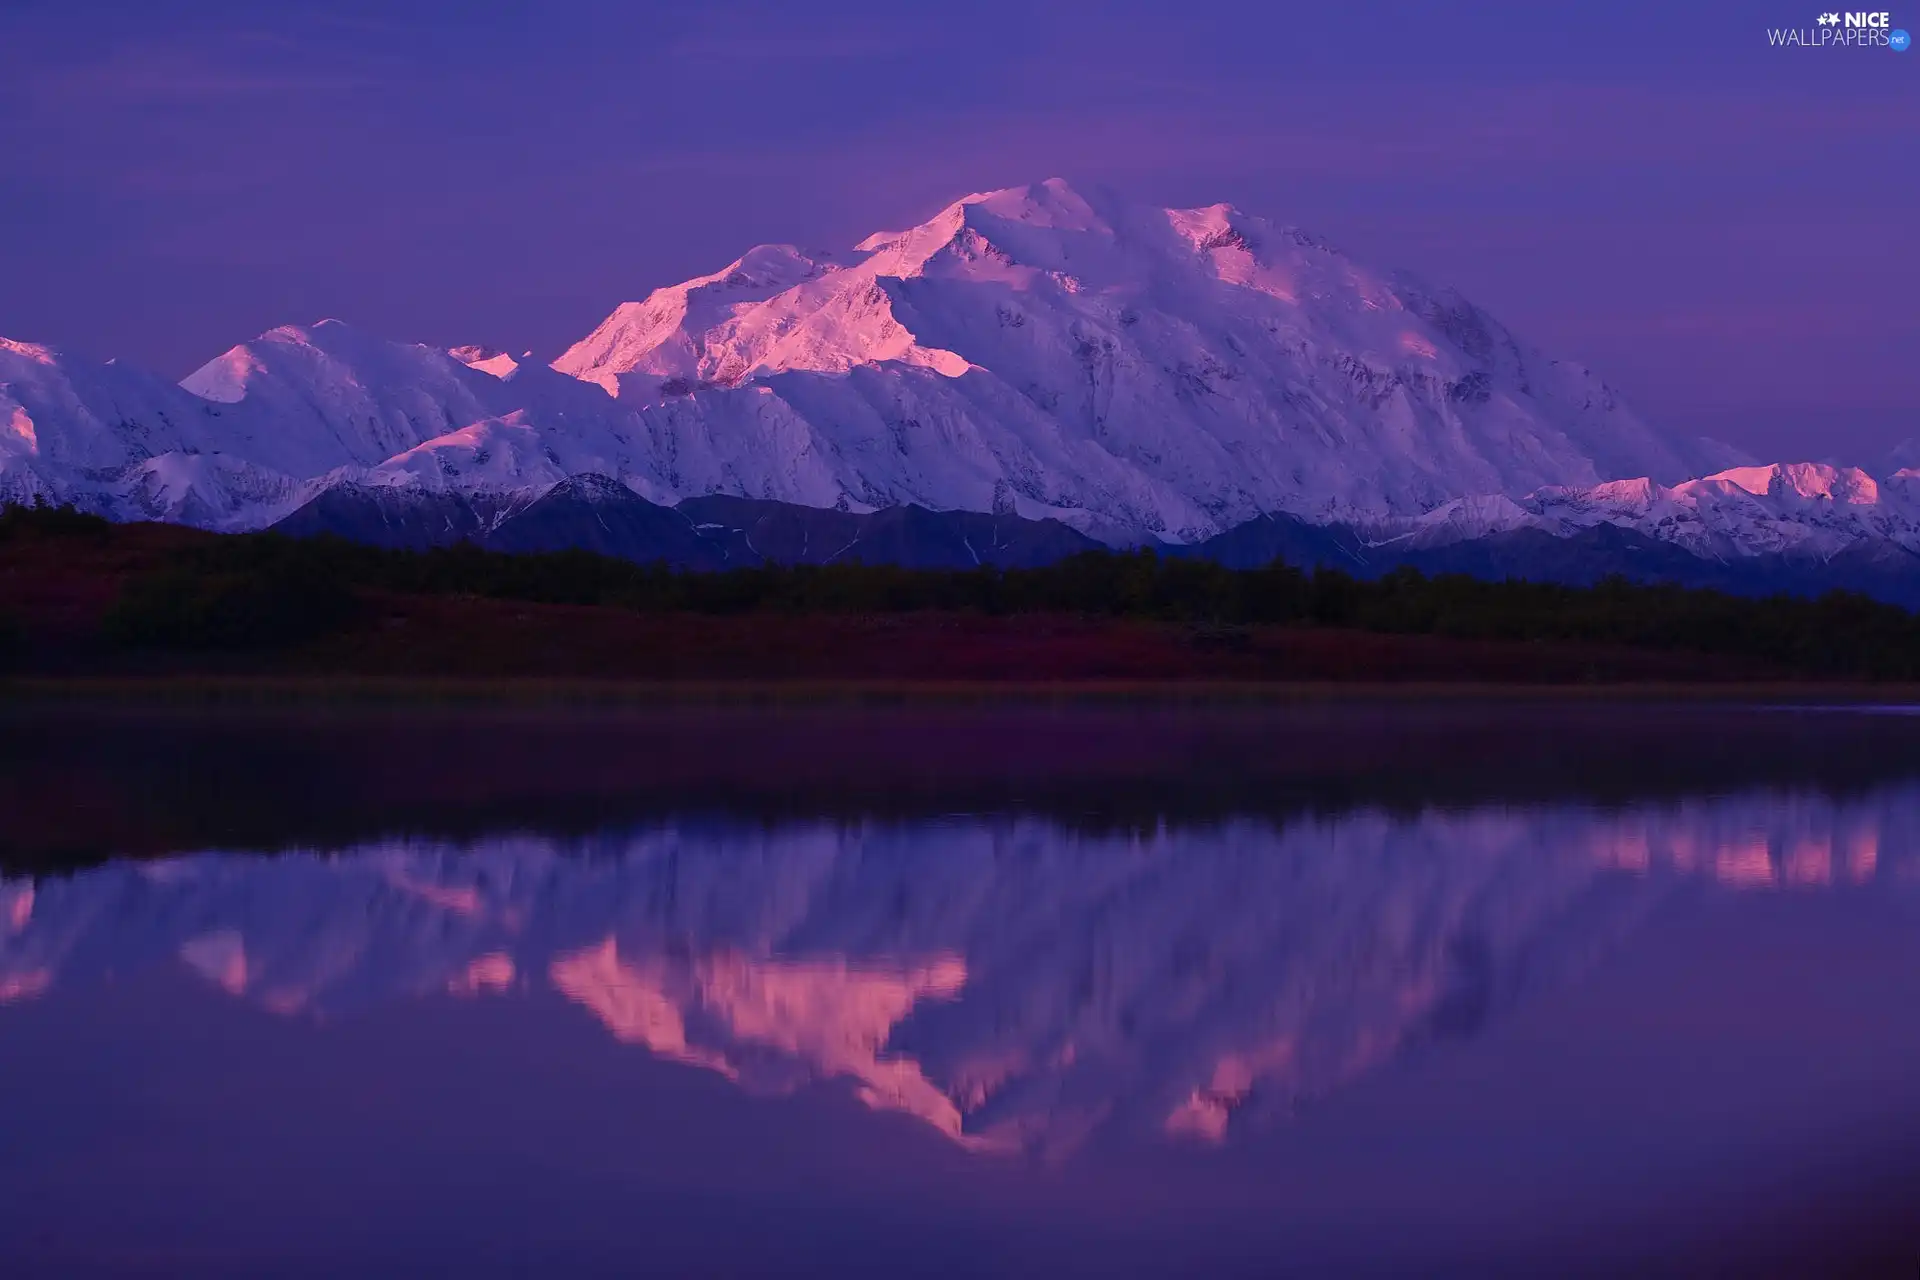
x=592, y=486
x=1804, y=480
x=486, y=359
x=1052, y=203
x=1134, y=349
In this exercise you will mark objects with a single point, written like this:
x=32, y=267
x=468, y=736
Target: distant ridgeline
x=594, y=513
x=267, y=590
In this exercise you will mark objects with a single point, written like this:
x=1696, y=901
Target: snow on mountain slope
x=210, y=490
x=1170, y=371
x=492, y=454
x=113, y=439
x=487, y=359
x=1135, y=372
x=656, y=336
x=305, y=401
x=1011, y=983
x=1805, y=509
x=1812, y=509
x=65, y=413
x=256, y=433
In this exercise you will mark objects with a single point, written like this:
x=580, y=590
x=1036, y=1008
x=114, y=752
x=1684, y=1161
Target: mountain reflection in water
x=1016, y=985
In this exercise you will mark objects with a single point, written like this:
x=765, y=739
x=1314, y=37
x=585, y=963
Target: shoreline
x=303, y=690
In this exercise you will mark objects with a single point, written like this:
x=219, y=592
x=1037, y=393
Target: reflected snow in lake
x=1013, y=985
x=1501, y=1029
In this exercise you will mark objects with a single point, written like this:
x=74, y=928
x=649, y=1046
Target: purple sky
x=1723, y=229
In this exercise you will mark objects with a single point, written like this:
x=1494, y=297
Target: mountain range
x=1030, y=372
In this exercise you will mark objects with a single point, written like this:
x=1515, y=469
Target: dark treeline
x=265, y=590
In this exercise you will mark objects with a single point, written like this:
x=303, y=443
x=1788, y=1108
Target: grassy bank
x=81, y=598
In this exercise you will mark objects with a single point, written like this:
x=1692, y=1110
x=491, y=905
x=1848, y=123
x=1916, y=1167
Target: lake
x=1335, y=987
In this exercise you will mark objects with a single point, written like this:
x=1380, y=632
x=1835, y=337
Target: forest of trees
x=265, y=590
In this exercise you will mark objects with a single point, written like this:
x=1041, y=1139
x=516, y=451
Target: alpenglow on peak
x=1169, y=371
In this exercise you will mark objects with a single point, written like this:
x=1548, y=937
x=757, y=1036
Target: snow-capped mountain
x=1171, y=372
x=1137, y=372
x=1807, y=510
x=1011, y=983
x=128, y=444
x=68, y=427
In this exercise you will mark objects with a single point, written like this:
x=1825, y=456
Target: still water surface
x=1447, y=1016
